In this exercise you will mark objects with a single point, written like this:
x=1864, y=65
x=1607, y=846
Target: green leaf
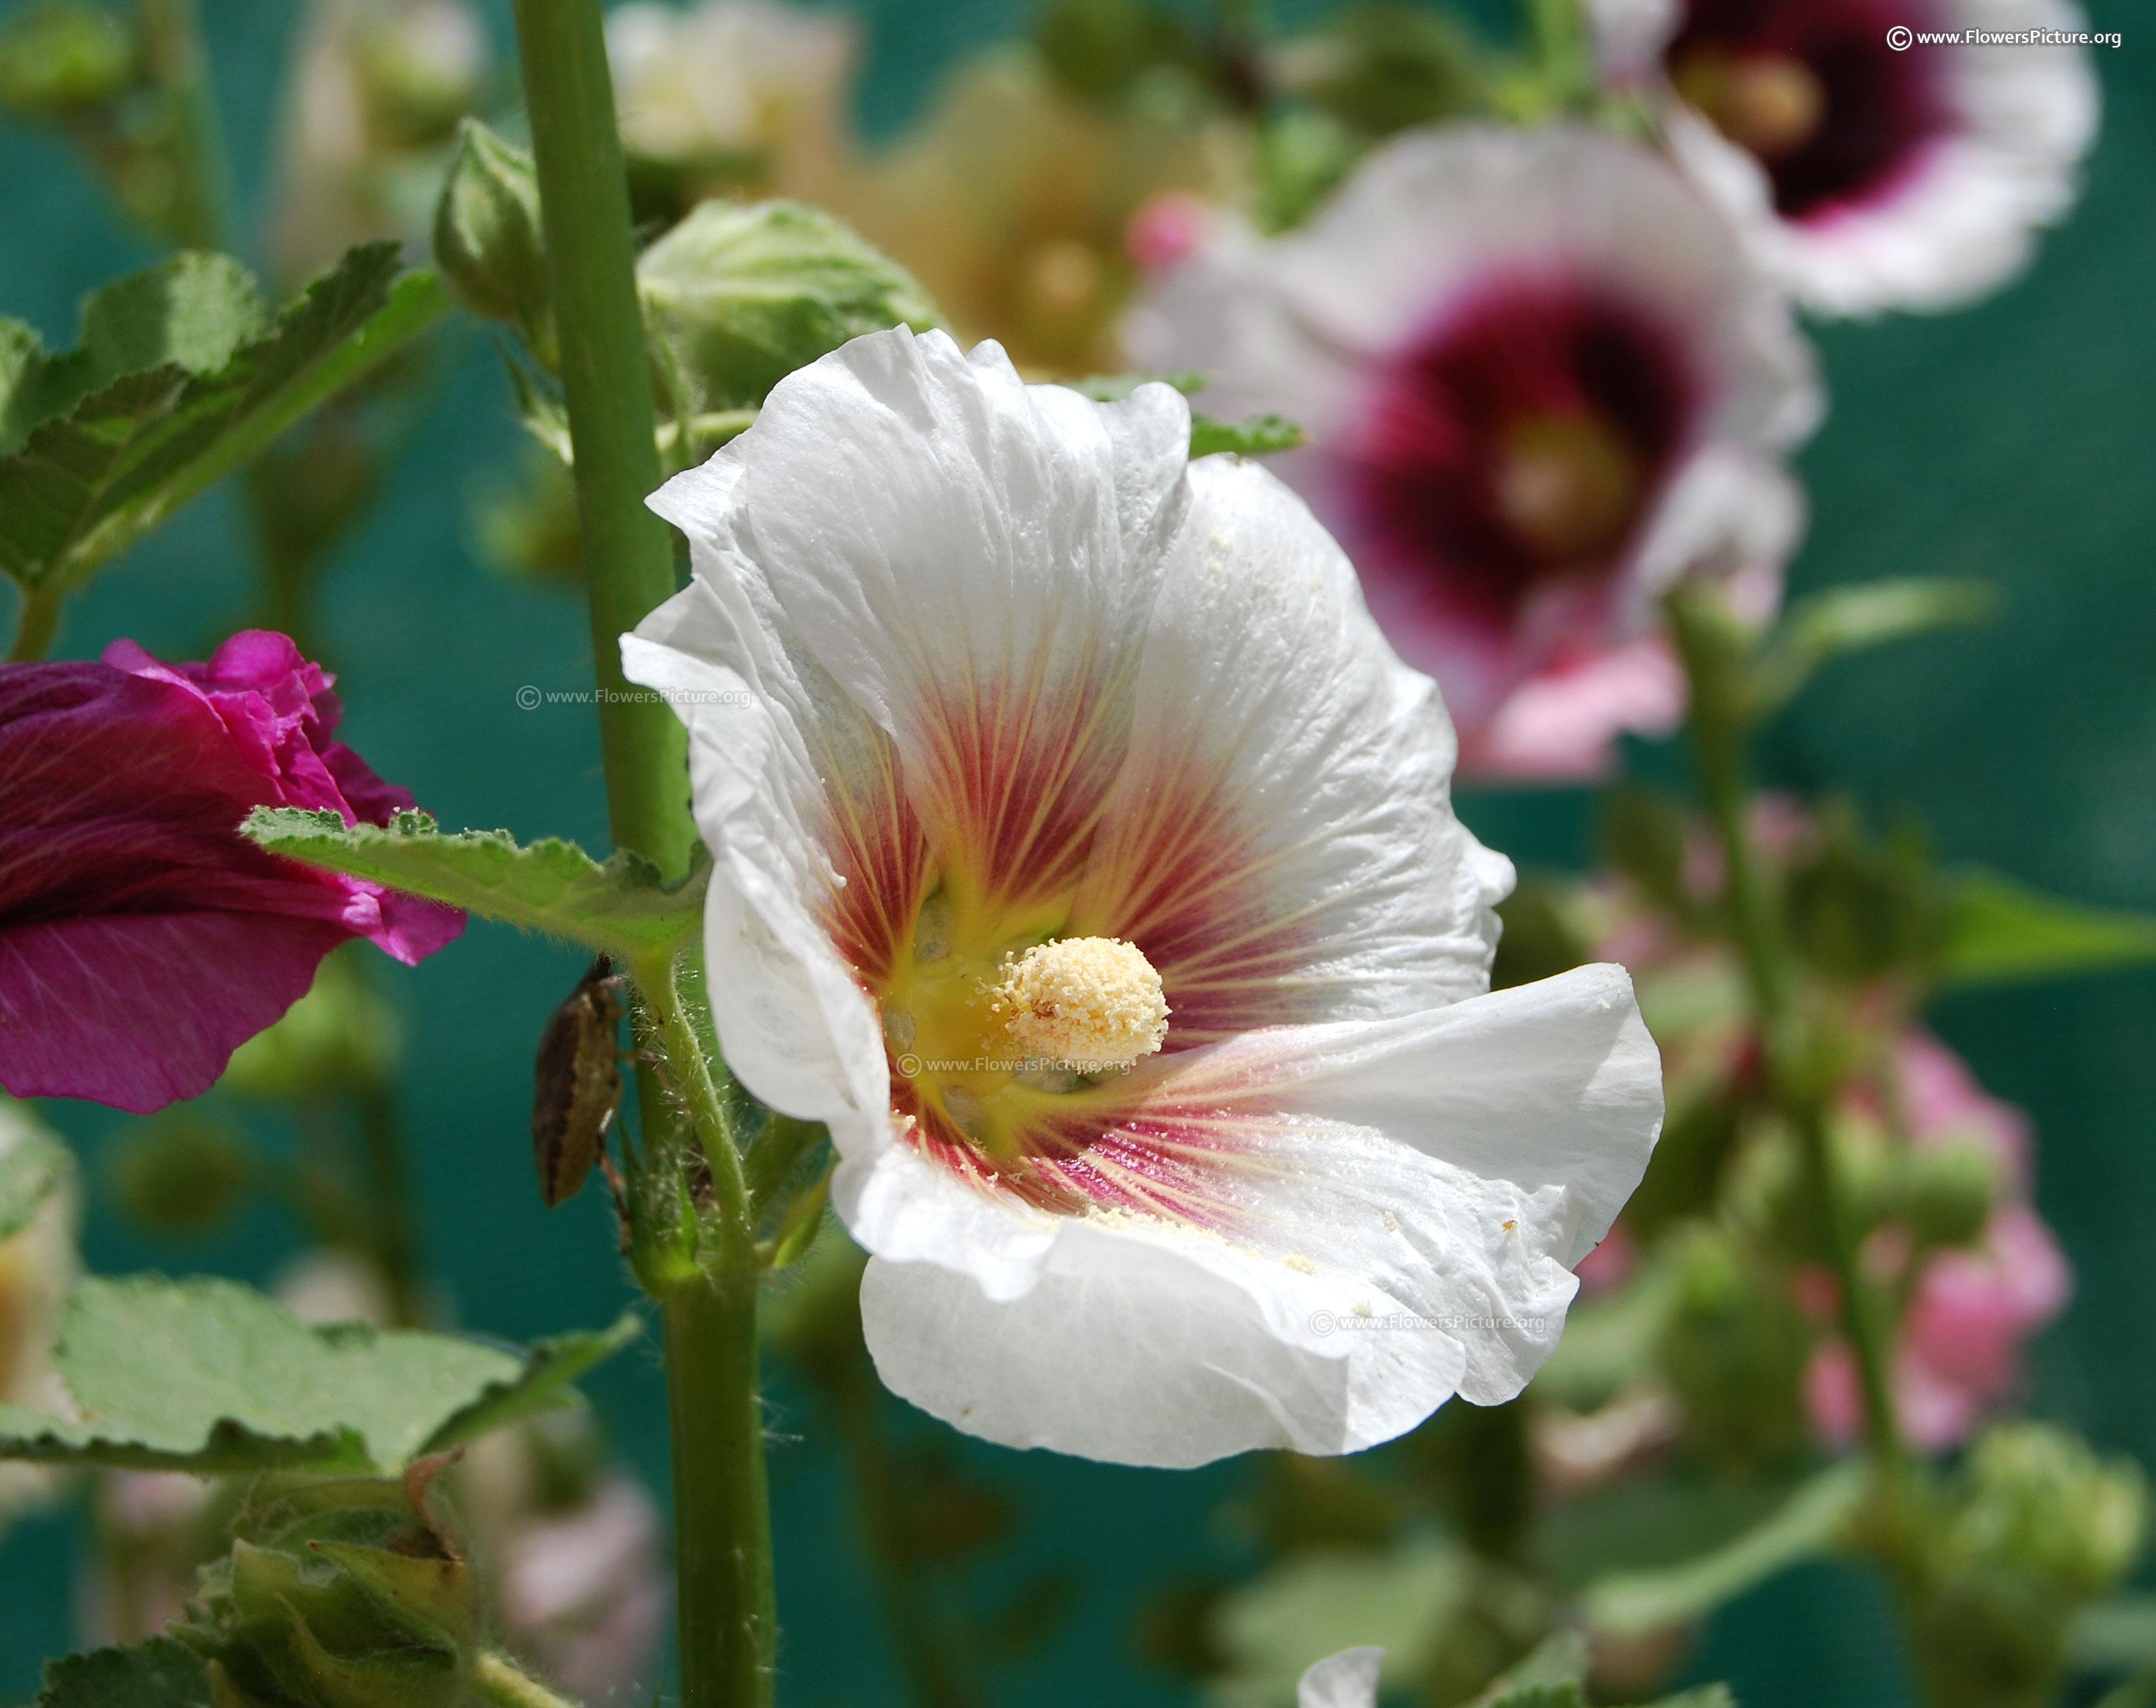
x=208, y=1376
x=1253, y=438
x=1842, y=620
x=33, y=1165
x=1996, y=929
x=1809, y=1523
x=1548, y=1678
x=622, y=907
x=736, y=298
x=159, y=1673
x=190, y=313
x=550, y=1368
x=135, y=443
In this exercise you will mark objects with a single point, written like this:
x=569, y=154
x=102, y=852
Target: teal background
x=2011, y=442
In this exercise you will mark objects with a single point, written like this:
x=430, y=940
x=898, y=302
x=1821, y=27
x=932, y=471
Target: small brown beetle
x=577, y=1084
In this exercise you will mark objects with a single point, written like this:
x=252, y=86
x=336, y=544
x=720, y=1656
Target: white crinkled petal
x=1264, y=689
x=790, y=1018
x=1347, y=1679
x=1398, y=1207
x=931, y=528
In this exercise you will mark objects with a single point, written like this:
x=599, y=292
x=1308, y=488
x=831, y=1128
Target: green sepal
x=622, y=907
x=489, y=238
x=736, y=298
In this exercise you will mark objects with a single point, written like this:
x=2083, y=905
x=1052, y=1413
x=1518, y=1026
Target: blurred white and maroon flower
x=1543, y=382
x=1970, y=1308
x=1084, y=859
x=1870, y=173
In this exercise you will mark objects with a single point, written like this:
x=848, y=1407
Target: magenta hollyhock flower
x=1543, y=382
x=1970, y=1310
x=142, y=939
x=1870, y=169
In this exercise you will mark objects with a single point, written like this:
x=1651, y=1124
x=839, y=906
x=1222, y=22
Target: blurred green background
x=2012, y=441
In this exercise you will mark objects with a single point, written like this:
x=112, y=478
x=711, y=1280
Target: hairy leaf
x=208, y=1376
x=177, y=383
x=159, y=1673
x=622, y=907
x=1996, y=929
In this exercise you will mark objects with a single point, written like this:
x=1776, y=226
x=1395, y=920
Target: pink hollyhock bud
x=142, y=939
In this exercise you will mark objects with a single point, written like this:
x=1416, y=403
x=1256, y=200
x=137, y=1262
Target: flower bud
x=487, y=238
x=337, y=1594
x=2035, y=1526
x=1732, y=1349
x=1950, y=1190
x=737, y=298
x=60, y=57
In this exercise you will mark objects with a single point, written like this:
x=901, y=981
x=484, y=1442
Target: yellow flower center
x=1000, y=1028
x=1768, y=105
x=1092, y=1005
x=1567, y=486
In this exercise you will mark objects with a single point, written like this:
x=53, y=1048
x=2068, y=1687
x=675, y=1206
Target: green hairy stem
x=722, y=1544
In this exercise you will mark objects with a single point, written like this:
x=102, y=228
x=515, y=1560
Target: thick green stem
x=629, y=559
x=727, y=1613
x=727, y=1622
x=497, y=1681
x=1719, y=720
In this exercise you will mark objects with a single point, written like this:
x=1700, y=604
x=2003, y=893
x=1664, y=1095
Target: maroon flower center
x=1520, y=440
x=1811, y=88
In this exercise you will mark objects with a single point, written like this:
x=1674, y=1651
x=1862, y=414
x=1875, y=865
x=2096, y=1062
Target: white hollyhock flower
x=1871, y=170
x=1014, y=734
x=1347, y=1679
x=1541, y=382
